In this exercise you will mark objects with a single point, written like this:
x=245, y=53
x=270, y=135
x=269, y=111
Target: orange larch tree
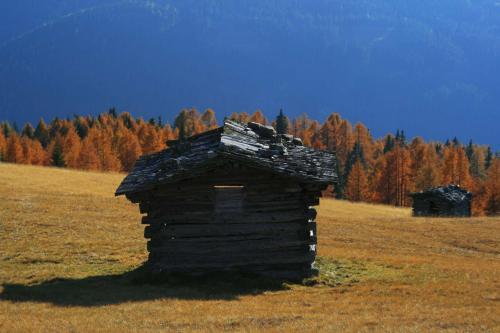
x=395, y=178
x=492, y=185
x=450, y=165
x=27, y=150
x=209, y=120
x=357, y=183
x=345, y=144
x=71, y=146
x=258, y=117
x=463, y=169
x=129, y=150
x=38, y=155
x=14, y=149
x=362, y=135
x=3, y=146
x=151, y=140
x=426, y=168
x=241, y=117
x=88, y=158
x=456, y=167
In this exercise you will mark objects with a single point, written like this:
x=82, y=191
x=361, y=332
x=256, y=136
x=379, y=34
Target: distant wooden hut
x=451, y=200
x=234, y=198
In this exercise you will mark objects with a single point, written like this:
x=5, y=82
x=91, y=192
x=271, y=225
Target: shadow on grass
x=138, y=285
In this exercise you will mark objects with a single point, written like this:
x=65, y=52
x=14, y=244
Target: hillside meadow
x=70, y=257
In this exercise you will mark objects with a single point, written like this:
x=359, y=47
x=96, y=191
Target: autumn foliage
x=383, y=170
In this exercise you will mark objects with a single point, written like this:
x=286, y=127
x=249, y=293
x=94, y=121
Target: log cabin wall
x=233, y=217
x=440, y=207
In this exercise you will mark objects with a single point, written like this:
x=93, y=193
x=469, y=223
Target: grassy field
x=68, y=250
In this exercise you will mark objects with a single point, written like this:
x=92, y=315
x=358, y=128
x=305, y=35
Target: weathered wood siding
x=435, y=206
x=268, y=226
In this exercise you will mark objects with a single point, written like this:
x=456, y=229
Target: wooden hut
x=451, y=200
x=234, y=198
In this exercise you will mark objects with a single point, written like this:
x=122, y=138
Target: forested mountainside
x=428, y=66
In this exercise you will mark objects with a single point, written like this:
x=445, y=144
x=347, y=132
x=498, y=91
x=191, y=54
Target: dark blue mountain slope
x=430, y=67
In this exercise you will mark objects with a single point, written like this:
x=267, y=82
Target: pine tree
x=439, y=149
x=469, y=151
x=281, y=123
x=112, y=112
x=489, y=158
x=180, y=123
x=81, y=127
x=6, y=129
x=42, y=133
x=402, y=138
x=57, y=157
x=128, y=121
x=389, y=143
x=55, y=128
x=356, y=154
x=28, y=131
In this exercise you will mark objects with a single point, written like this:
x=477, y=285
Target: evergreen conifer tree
x=281, y=123
x=42, y=133
x=57, y=155
x=389, y=144
x=489, y=158
x=28, y=131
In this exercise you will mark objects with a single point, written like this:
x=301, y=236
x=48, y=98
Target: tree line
x=379, y=170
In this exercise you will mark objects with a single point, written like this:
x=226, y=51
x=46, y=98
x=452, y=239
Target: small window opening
x=229, y=198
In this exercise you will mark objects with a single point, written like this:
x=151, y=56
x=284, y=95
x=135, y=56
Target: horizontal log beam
x=178, y=246
x=190, y=262
x=220, y=230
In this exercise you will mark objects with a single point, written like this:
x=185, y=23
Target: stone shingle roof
x=254, y=145
x=451, y=193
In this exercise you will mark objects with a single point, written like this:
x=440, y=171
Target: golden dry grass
x=66, y=245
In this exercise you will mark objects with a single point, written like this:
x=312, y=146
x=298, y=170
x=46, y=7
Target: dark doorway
x=433, y=209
